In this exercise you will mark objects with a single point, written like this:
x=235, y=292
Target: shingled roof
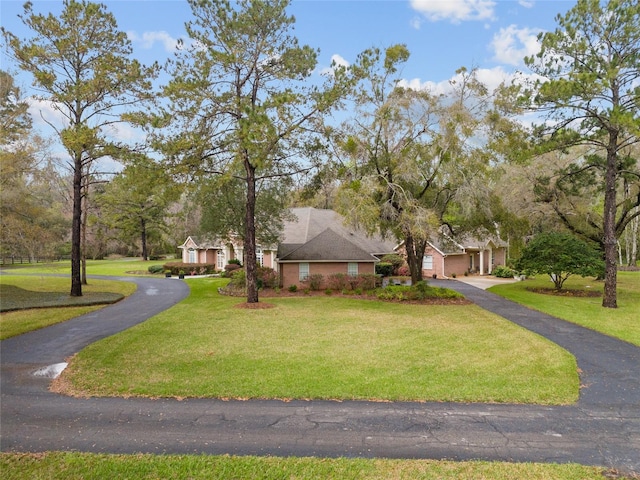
x=450, y=246
x=321, y=235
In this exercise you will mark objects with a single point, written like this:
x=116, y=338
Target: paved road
x=603, y=428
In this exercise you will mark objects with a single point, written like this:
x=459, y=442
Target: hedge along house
x=445, y=257
x=214, y=251
x=317, y=241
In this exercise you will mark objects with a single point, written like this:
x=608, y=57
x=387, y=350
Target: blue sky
x=442, y=35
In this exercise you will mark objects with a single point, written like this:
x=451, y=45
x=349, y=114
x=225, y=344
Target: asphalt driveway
x=603, y=428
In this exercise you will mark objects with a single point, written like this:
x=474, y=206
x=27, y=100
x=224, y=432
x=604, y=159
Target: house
x=214, y=251
x=313, y=241
x=318, y=241
x=446, y=257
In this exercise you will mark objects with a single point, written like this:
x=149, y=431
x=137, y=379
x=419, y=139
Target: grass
x=326, y=348
x=82, y=466
x=29, y=296
x=622, y=322
x=126, y=266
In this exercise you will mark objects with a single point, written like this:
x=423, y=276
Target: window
x=222, y=258
x=352, y=269
x=303, y=271
x=259, y=256
x=192, y=256
x=427, y=262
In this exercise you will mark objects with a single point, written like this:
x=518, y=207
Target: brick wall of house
x=457, y=264
x=289, y=272
x=437, y=263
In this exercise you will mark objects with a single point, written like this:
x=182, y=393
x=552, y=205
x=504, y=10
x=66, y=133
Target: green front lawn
x=30, y=295
x=326, y=348
x=622, y=322
x=120, y=267
x=81, y=466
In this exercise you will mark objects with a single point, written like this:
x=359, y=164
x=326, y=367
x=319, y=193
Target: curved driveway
x=603, y=428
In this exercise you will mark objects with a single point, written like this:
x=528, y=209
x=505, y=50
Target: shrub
x=403, y=271
x=238, y=279
x=338, y=281
x=384, y=268
x=419, y=291
x=394, y=259
x=196, y=268
x=267, y=277
x=502, y=271
x=293, y=288
x=156, y=269
x=234, y=261
x=364, y=281
x=231, y=267
x=315, y=281
x=560, y=255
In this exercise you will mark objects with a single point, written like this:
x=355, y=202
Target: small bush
x=365, y=281
x=267, y=277
x=156, y=269
x=234, y=261
x=231, y=267
x=403, y=271
x=238, y=279
x=293, y=288
x=384, y=268
x=338, y=281
x=502, y=271
x=315, y=281
x=196, y=268
x=396, y=260
x=419, y=291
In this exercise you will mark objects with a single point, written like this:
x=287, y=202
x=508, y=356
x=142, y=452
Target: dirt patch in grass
x=565, y=292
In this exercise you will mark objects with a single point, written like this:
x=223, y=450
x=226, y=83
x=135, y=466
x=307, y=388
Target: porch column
x=481, y=262
x=490, y=262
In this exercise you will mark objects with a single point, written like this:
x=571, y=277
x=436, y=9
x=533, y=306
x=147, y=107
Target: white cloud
x=512, y=44
x=527, y=3
x=45, y=113
x=149, y=39
x=416, y=23
x=455, y=10
x=336, y=60
x=491, y=77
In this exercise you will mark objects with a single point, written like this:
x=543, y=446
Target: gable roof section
x=450, y=246
x=202, y=244
x=327, y=246
x=321, y=235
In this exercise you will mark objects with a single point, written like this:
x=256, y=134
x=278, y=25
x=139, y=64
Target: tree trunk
x=415, y=252
x=143, y=239
x=634, y=241
x=83, y=227
x=250, y=235
x=609, y=298
x=76, y=281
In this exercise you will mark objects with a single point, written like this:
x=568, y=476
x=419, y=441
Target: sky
x=441, y=35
